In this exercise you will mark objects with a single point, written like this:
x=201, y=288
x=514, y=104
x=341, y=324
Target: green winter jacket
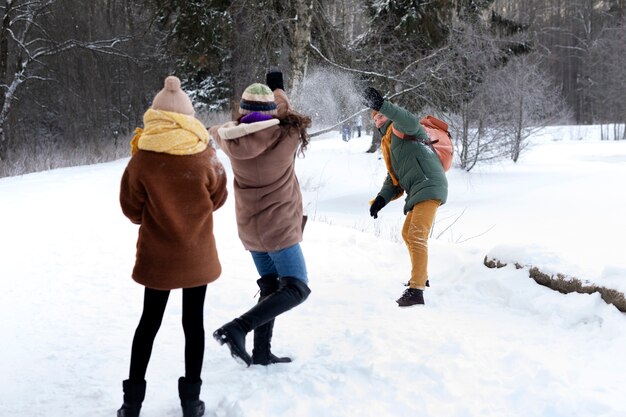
x=415, y=164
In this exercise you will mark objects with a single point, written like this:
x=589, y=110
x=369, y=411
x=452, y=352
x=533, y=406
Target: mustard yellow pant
x=415, y=233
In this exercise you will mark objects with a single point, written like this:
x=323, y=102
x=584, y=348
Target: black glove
x=378, y=204
x=372, y=98
x=274, y=80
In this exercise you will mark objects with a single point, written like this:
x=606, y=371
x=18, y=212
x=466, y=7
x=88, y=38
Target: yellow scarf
x=385, y=147
x=171, y=133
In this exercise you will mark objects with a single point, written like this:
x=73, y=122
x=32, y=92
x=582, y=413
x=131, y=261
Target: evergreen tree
x=401, y=33
x=221, y=46
x=198, y=36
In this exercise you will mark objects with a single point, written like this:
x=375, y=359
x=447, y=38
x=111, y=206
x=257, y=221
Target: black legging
x=154, y=303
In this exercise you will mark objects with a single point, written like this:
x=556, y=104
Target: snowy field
x=488, y=343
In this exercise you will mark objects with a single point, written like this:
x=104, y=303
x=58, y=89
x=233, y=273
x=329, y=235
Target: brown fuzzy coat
x=173, y=198
x=267, y=193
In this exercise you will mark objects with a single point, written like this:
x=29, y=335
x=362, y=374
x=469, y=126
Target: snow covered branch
x=353, y=70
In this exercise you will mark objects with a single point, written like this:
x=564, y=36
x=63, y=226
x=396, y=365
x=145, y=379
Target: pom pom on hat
x=257, y=98
x=172, y=98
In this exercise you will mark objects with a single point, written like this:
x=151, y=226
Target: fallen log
x=565, y=284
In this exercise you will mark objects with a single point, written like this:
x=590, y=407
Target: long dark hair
x=300, y=122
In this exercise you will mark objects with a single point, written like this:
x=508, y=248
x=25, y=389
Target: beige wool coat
x=173, y=198
x=267, y=193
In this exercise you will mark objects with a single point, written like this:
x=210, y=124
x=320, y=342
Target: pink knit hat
x=172, y=98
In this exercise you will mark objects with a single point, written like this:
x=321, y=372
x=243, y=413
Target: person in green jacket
x=412, y=167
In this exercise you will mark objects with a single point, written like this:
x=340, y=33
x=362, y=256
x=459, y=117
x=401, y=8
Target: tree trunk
x=376, y=139
x=4, y=50
x=517, y=140
x=465, y=151
x=301, y=38
x=3, y=144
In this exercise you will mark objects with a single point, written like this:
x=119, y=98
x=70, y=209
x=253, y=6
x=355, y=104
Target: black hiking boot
x=189, y=394
x=291, y=292
x=411, y=297
x=134, y=394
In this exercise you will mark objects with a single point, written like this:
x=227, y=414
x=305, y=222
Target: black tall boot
x=134, y=393
x=291, y=292
x=189, y=393
x=261, y=353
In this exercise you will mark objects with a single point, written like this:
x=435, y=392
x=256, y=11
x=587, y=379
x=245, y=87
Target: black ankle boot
x=261, y=353
x=189, y=393
x=134, y=394
x=411, y=297
x=291, y=292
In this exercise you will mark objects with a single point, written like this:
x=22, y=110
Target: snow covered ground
x=488, y=343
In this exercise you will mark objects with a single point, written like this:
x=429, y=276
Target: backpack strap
x=404, y=136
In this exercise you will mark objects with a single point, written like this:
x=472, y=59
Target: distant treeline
x=77, y=76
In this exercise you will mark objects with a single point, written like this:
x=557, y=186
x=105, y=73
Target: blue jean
x=288, y=262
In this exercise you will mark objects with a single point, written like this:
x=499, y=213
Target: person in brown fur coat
x=172, y=185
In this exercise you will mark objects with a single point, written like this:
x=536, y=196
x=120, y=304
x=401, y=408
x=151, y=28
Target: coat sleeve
x=403, y=120
x=216, y=137
x=217, y=184
x=282, y=102
x=389, y=191
x=132, y=197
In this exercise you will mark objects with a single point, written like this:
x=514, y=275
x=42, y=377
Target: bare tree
x=459, y=88
x=525, y=101
x=609, y=81
x=77, y=98
x=475, y=131
x=567, y=32
x=25, y=45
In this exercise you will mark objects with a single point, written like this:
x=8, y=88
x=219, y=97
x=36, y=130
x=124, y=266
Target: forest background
x=77, y=76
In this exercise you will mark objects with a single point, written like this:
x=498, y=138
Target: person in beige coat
x=172, y=185
x=262, y=145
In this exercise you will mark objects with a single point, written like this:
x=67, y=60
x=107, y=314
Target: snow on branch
x=341, y=122
x=348, y=69
x=103, y=46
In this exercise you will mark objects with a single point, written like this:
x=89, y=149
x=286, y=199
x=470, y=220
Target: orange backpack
x=440, y=139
